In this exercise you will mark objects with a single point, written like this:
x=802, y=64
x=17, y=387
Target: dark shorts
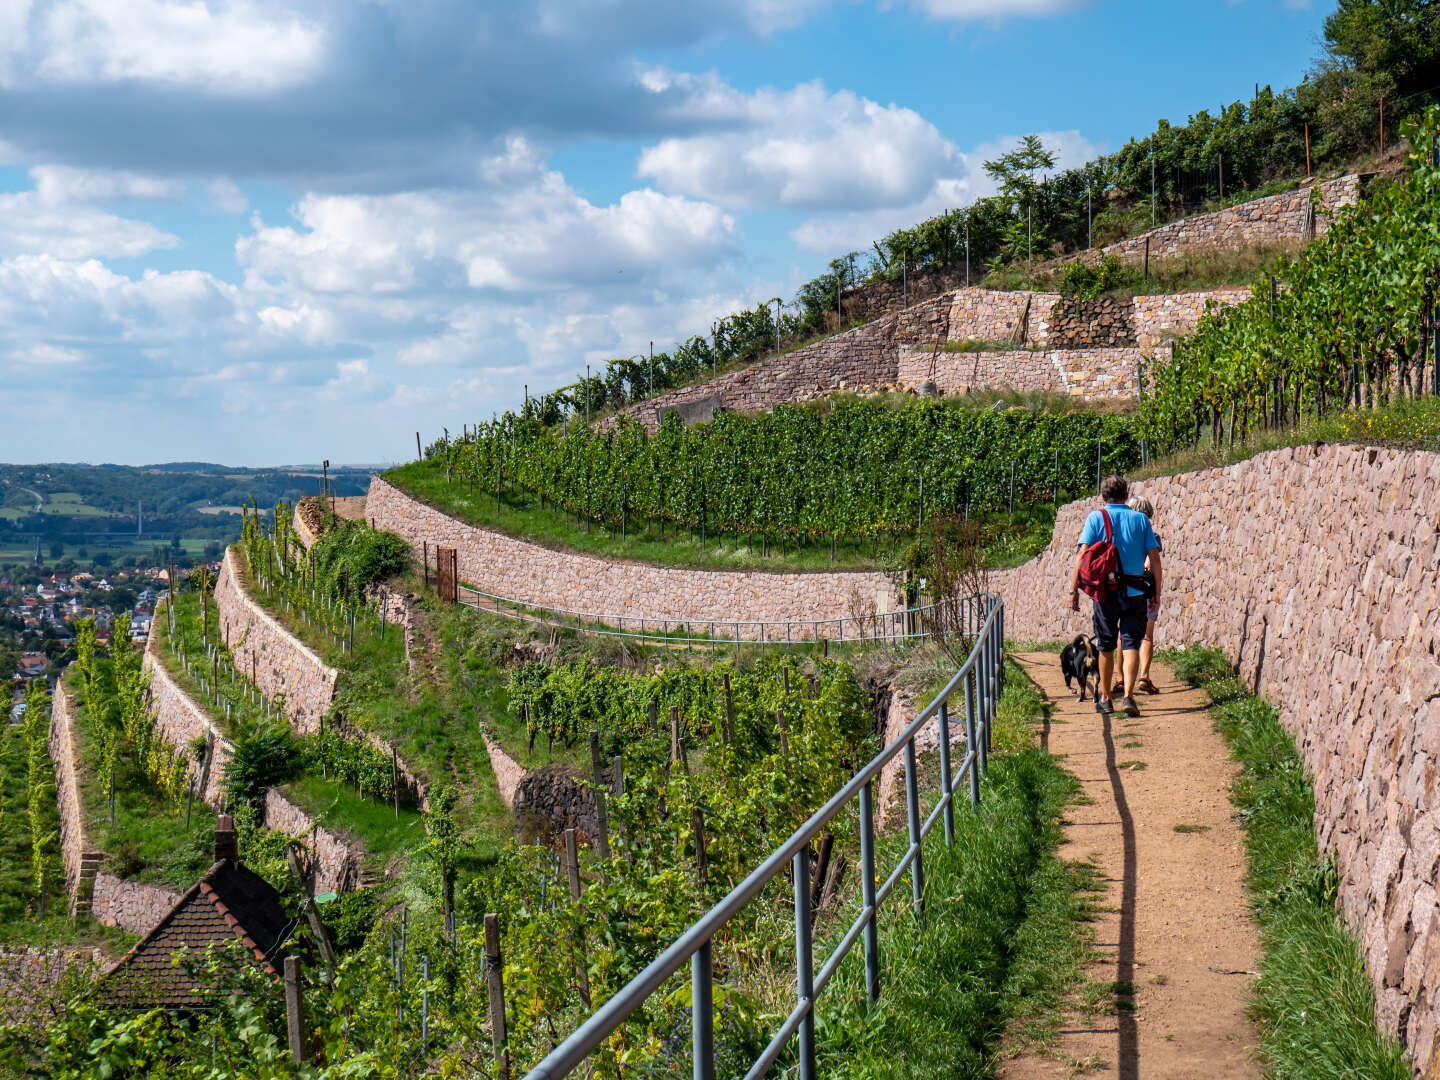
x=1122, y=620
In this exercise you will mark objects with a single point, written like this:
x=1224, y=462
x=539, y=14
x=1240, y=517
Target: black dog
x=1081, y=660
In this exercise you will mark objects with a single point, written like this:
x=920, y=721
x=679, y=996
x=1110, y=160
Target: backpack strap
x=1105, y=514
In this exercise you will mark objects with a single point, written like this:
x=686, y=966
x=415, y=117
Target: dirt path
x=1174, y=942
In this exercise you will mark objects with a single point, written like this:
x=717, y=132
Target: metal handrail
x=918, y=623
x=980, y=681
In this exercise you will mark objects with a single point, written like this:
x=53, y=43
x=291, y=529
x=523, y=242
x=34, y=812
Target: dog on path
x=1081, y=660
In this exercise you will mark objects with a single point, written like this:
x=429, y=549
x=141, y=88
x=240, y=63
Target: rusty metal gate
x=447, y=577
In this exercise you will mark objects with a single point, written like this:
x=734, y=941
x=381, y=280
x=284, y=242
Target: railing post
x=970, y=742
x=948, y=814
x=804, y=963
x=912, y=809
x=702, y=1014
x=982, y=741
x=870, y=934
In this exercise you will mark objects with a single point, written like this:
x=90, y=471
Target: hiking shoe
x=1104, y=705
x=1131, y=709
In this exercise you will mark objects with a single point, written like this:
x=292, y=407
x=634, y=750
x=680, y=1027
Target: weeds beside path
x=1174, y=946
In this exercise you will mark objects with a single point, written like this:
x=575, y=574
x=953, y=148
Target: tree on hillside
x=1015, y=173
x=1398, y=39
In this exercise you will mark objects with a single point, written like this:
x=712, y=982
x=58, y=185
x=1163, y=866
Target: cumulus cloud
x=30, y=222
x=805, y=148
x=831, y=234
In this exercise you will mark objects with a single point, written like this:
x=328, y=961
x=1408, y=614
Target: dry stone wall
x=65, y=755
x=992, y=315
x=181, y=719
x=1103, y=323
x=1159, y=320
x=1284, y=219
x=336, y=865
x=1091, y=374
x=276, y=661
x=1317, y=569
x=540, y=577
x=130, y=905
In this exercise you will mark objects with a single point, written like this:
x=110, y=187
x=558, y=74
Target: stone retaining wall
x=65, y=757
x=275, y=660
x=1284, y=219
x=1102, y=323
x=1318, y=570
x=130, y=905
x=992, y=315
x=337, y=866
x=1159, y=320
x=181, y=719
x=1091, y=374
x=556, y=579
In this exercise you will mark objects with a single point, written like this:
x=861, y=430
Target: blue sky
x=271, y=231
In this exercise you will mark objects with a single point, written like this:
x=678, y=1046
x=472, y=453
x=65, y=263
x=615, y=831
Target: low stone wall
x=556, y=579
x=1159, y=320
x=337, y=866
x=276, y=661
x=1091, y=374
x=993, y=315
x=64, y=755
x=130, y=905
x=1317, y=569
x=1278, y=219
x=181, y=719
x=1103, y=323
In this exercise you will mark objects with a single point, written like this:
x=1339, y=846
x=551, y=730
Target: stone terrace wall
x=1103, y=323
x=1092, y=374
x=131, y=905
x=1318, y=570
x=337, y=866
x=276, y=660
x=1278, y=219
x=180, y=718
x=65, y=756
x=1161, y=319
x=992, y=315
x=865, y=356
x=541, y=577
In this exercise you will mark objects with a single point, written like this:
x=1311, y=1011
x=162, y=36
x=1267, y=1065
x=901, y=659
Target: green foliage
x=40, y=786
x=261, y=757
x=350, y=557
x=1351, y=325
x=773, y=475
x=1314, y=1007
x=349, y=759
x=1087, y=282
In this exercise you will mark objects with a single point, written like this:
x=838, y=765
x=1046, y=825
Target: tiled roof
x=229, y=903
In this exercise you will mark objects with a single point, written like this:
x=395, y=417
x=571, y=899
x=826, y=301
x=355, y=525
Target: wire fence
x=978, y=683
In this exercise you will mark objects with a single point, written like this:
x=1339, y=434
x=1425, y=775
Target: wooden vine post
x=598, y=773
x=729, y=735
x=702, y=865
x=495, y=986
x=294, y=1010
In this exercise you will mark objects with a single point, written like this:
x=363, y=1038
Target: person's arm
x=1075, y=578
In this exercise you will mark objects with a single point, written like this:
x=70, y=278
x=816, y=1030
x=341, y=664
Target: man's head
x=1114, y=489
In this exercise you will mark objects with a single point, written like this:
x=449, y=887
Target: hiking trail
x=1174, y=947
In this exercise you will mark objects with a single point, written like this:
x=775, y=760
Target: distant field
x=71, y=504
x=220, y=510
x=25, y=553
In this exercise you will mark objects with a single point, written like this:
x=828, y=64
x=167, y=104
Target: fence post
x=804, y=963
x=870, y=935
x=651, y=712
x=495, y=982
x=702, y=1014
x=912, y=813
x=970, y=745
x=572, y=863
x=294, y=1010
x=945, y=779
x=598, y=772
x=677, y=747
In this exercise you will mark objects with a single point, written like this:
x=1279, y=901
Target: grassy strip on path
x=1001, y=941
x=1314, y=1007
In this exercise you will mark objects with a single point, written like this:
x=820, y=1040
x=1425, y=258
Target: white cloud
x=224, y=47
x=60, y=184
x=227, y=197
x=29, y=222
x=804, y=148
x=832, y=234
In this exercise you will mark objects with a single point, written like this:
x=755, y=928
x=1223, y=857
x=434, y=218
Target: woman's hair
x=1142, y=504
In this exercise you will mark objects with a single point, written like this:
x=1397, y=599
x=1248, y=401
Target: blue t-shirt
x=1131, y=533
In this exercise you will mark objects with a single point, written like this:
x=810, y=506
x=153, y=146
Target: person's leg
x=1107, y=674
x=1130, y=667
x=1132, y=633
x=1147, y=649
x=1106, y=622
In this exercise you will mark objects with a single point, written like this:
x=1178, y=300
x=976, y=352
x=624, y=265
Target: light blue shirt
x=1130, y=532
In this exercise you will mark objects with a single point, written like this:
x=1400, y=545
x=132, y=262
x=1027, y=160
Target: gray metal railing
x=908, y=624
x=979, y=683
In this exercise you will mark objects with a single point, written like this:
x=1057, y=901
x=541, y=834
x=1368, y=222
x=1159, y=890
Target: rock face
x=1317, y=569
x=555, y=579
x=276, y=661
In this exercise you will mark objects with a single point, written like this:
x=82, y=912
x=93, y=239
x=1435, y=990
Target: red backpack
x=1100, y=575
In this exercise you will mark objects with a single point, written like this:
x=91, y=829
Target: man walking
x=1123, y=613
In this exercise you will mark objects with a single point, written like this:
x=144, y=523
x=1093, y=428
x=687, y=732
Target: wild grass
x=999, y=944
x=1314, y=1006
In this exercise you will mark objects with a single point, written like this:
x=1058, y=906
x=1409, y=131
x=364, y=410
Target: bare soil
x=1174, y=945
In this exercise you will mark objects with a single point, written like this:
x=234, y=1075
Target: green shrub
x=352, y=556
x=264, y=756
